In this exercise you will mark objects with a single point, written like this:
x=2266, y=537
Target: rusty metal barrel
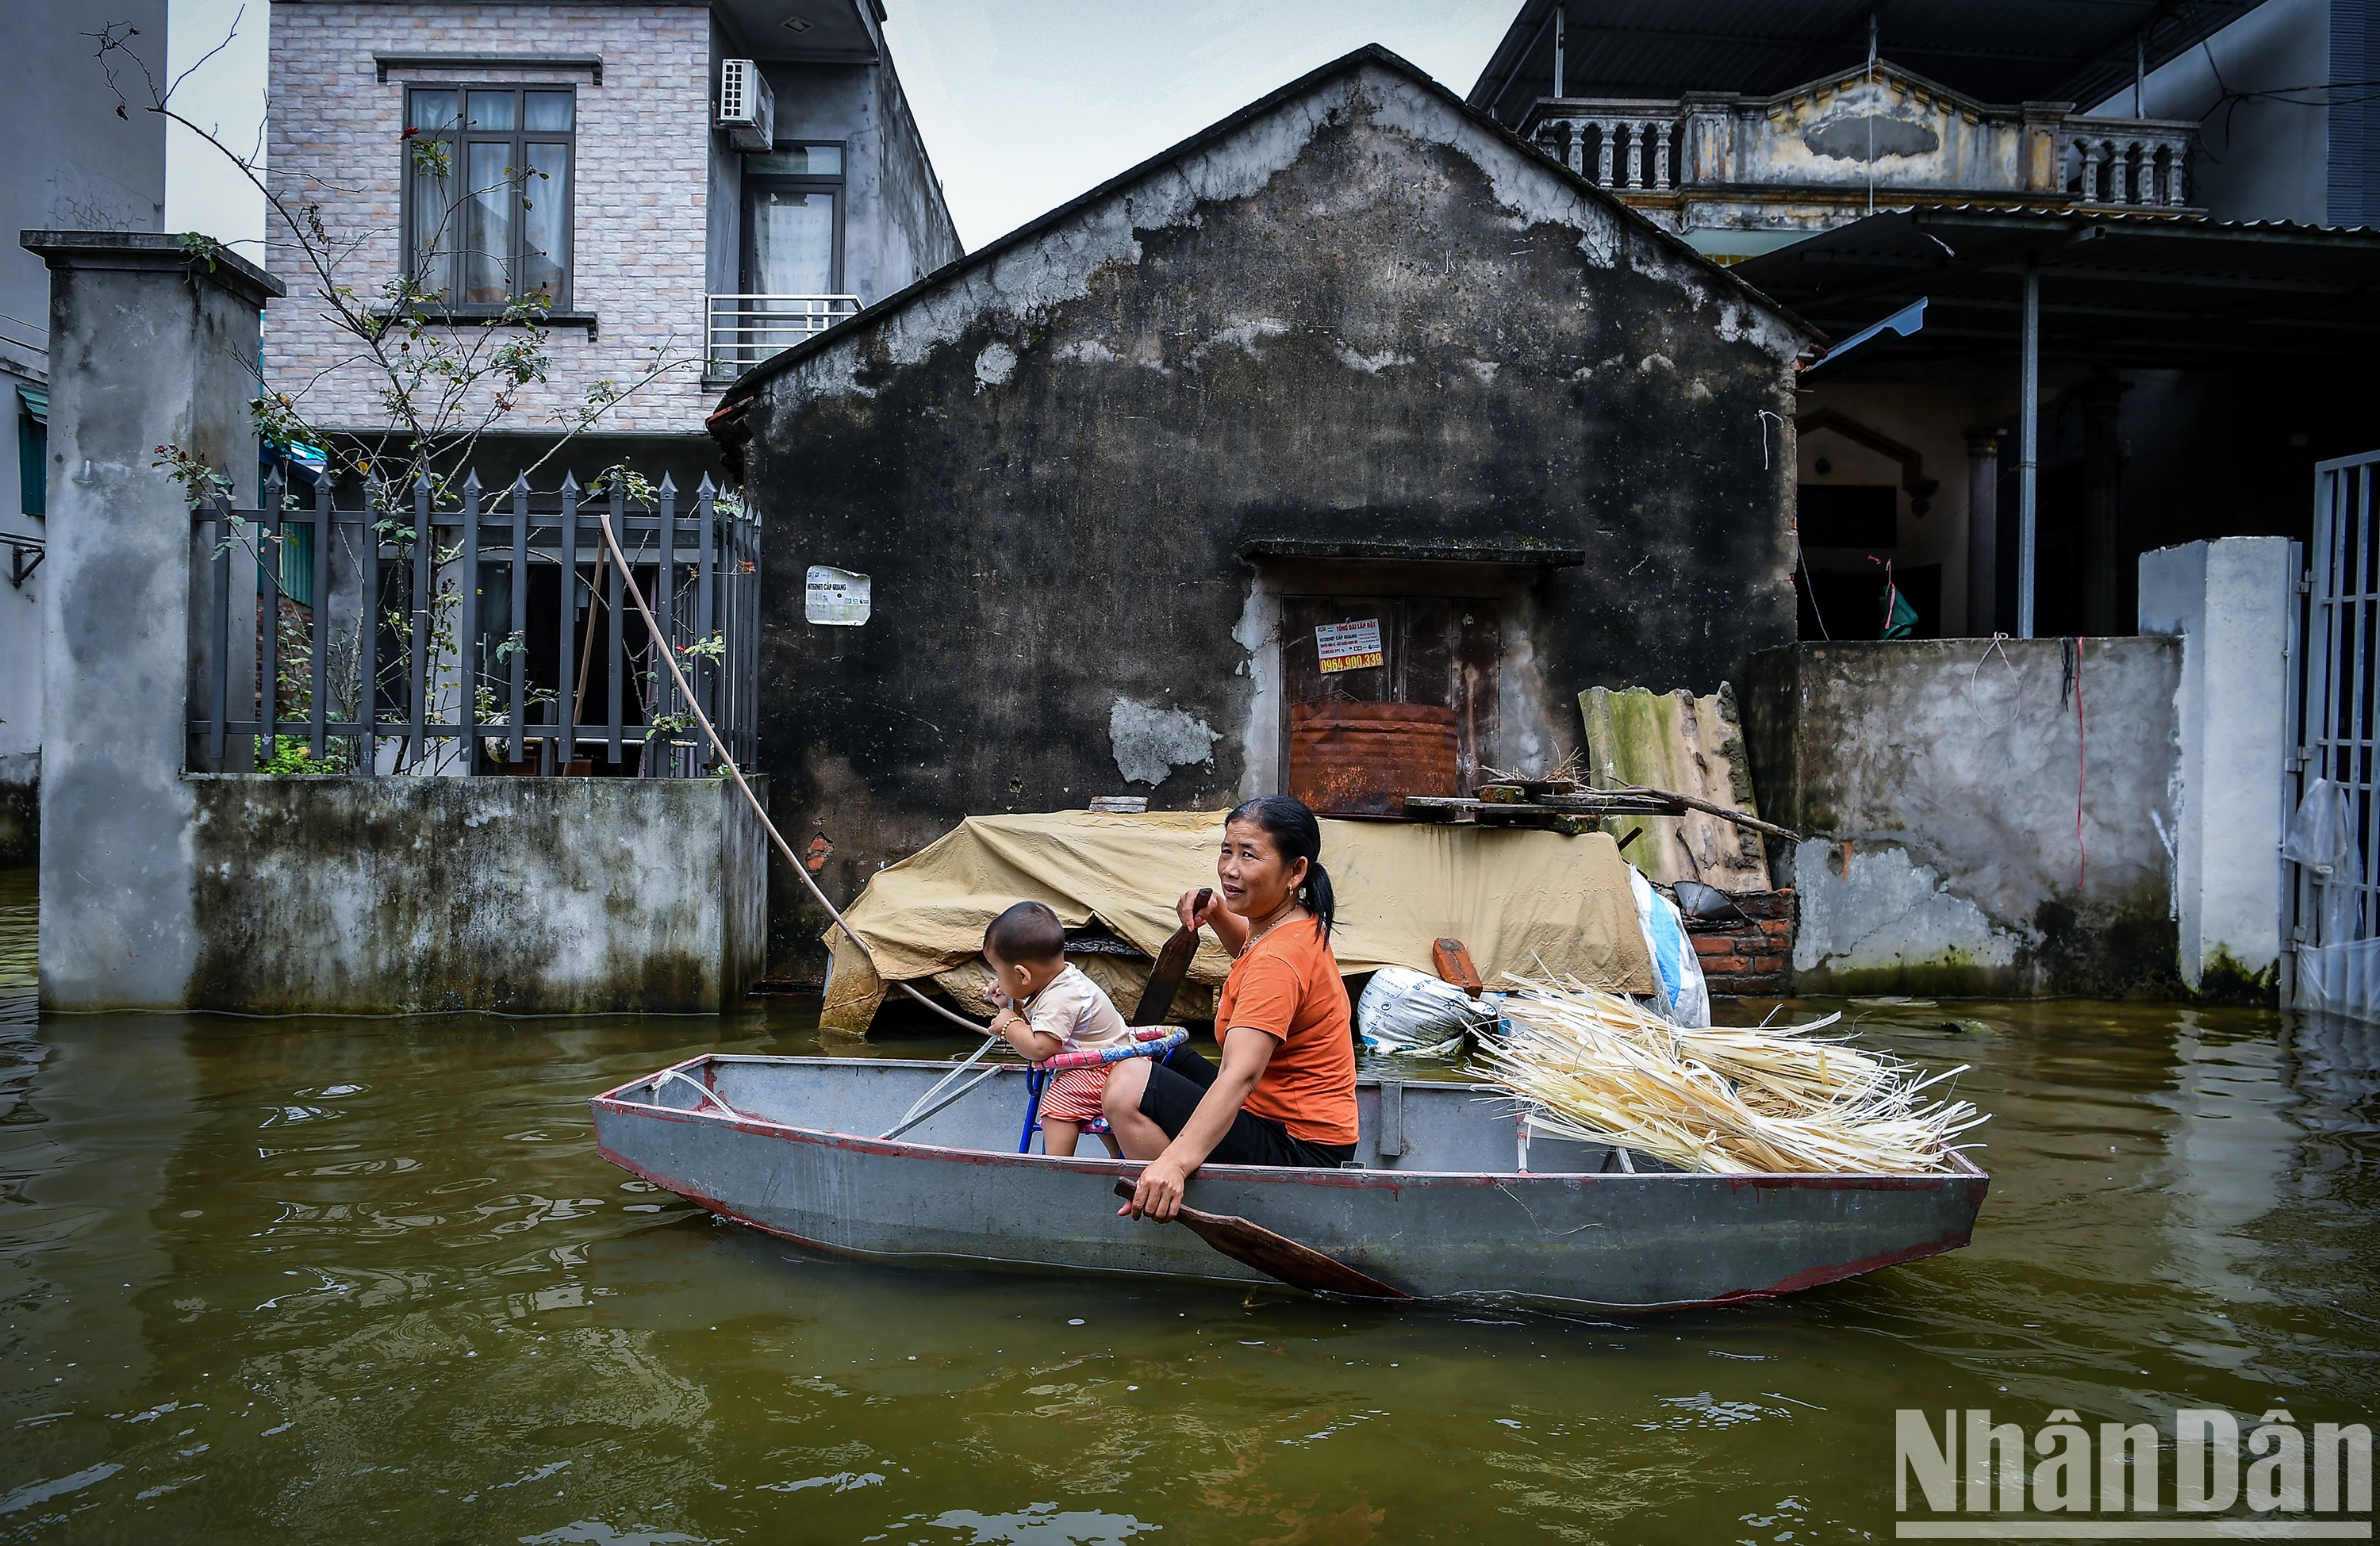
x=1362, y=759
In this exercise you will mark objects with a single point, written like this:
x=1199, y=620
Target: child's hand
x=992, y=996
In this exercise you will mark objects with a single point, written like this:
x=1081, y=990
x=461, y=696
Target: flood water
x=325, y=1278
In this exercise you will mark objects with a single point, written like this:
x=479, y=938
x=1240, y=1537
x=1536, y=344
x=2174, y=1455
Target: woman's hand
x=1189, y=910
x=1158, y=1194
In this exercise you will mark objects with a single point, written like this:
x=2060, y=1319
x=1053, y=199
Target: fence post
x=148, y=346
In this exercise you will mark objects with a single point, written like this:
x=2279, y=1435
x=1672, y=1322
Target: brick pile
x=1752, y=959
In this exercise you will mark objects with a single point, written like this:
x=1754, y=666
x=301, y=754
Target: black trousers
x=1177, y=1085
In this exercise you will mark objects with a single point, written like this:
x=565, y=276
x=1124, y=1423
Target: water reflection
x=328, y=1277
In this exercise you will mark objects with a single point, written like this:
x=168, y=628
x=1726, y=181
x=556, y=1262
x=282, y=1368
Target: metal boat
x=1453, y=1192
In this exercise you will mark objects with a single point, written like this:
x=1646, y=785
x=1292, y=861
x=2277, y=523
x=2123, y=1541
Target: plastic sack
x=1411, y=1013
x=1680, y=994
x=2321, y=836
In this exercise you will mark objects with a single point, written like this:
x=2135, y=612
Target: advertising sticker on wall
x=837, y=597
x=1349, y=646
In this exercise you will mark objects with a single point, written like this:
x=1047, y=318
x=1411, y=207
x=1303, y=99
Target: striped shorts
x=1073, y=1094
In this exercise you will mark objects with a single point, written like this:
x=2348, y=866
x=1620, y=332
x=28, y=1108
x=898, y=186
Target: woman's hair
x=1297, y=835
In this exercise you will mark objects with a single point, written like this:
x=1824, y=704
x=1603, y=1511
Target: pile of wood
x=1600, y=1068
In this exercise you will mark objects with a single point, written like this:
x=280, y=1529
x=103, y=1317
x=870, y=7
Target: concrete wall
x=72, y=165
x=896, y=228
x=531, y=896
x=1937, y=787
x=2263, y=156
x=2230, y=603
x=1353, y=316
x=146, y=347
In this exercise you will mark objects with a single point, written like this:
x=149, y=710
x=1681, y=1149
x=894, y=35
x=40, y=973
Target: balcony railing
x=2142, y=162
x=1620, y=145
x=1644, y=148
x=742, y=331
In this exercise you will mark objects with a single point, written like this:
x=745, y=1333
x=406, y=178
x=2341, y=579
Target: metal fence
x=462, y=635
x=2333, y=848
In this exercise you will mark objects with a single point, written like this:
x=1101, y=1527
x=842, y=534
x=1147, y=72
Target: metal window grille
x=466, y=635
x=2334, y=918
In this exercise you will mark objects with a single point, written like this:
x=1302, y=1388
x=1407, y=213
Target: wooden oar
x=1165, y=977
x=1277, y=1256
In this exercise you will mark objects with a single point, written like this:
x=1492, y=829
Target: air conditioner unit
x=747, y=109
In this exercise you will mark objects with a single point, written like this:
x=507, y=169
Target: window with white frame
x=487, y=193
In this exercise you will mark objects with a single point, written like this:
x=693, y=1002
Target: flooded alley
x=320, y=1277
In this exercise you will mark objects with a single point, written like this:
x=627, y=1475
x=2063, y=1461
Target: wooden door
x=1436, y=649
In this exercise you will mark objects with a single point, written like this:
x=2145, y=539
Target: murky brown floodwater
x=309, y=1280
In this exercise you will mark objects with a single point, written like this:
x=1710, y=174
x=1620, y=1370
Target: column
x=147, y=346
x=1983, y=531
x=2102, y=483
x=2231, y=601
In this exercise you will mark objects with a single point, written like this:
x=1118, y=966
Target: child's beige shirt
x=1073, y=1008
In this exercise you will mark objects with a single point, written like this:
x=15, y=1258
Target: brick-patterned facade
x=639, y=217
x=1753, y=958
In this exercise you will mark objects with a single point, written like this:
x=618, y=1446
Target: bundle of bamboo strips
x=1599, y=1067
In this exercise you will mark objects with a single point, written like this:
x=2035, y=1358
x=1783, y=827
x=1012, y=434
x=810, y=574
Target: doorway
x=1437, y=651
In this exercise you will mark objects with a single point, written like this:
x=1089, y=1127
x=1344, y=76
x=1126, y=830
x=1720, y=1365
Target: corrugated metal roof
x=1996, y=51
x=2141, y=290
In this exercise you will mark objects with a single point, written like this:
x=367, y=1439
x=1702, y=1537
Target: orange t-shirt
x=1287, y=986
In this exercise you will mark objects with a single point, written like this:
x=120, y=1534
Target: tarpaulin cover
x=1523, y=901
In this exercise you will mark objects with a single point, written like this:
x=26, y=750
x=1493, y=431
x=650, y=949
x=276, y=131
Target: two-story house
x=686, y=186
x=1899, y=170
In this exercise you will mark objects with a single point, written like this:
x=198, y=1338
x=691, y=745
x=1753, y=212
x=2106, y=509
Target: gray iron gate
x=2333, y=854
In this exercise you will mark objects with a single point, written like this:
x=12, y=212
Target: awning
x=1902, y=323
x=2132, y=291
x=37, y=403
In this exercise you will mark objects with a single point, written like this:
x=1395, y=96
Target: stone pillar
x=2231, y=600
x=2102, y=486
x=1983, y=531
x=147, y=346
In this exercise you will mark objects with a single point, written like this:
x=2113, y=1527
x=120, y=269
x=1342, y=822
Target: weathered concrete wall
x=1354, y=314
x=146, y=347
x=1937, y=787
x=2230, y=603
x=533, y=896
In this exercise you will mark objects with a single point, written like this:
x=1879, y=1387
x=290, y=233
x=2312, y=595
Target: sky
x=203, y=191
x=1023, y=103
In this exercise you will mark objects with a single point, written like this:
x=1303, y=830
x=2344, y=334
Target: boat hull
x=786, y=1157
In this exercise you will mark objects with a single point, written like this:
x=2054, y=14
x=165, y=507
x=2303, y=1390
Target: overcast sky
x=203, y=191
x=1024, y=103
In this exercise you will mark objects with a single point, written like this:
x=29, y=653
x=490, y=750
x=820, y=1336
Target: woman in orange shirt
x=1285, y=1095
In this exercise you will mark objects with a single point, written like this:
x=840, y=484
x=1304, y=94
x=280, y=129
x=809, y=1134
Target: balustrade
x=2143, y=166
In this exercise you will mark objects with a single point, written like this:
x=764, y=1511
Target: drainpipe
x=2028, y=417
x=1561, y=16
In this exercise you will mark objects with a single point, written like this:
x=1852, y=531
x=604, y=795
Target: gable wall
x=1357, y=316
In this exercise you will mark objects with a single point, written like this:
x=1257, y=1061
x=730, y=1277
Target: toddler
x=1046, y=1007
